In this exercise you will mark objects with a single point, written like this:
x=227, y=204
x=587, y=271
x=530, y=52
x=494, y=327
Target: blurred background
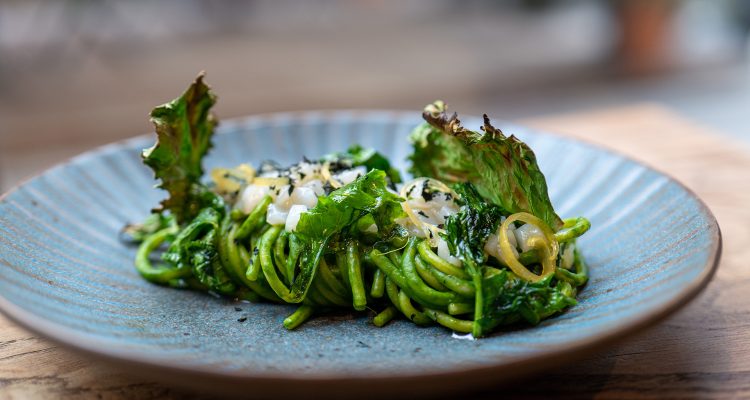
x=75, y=74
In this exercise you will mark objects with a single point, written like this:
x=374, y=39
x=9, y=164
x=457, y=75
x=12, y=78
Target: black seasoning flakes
x=242, y=319
x=411, y=189
x=289, y=191
x=422, y=213
x=237, y=309
x=427, y=195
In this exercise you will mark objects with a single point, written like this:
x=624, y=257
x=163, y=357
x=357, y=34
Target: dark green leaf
x=503, y=169
x=206, y=265
x=506, y=297
x=468, y=229
x=466, y=232
x=195, y=248
x=184, y=128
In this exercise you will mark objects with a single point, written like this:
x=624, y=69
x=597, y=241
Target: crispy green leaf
x=441, y=156
x=503, y=169
x=184, y=128
x=336, y=215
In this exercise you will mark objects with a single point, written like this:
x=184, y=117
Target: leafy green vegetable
x=336, y=215
x=184, y=128
x=503, y=169
x=466, y=232
x=195, y=248
x=341, y=208
x=506, y=295
x=468, y=229
x=207, y=268
x=441, y=156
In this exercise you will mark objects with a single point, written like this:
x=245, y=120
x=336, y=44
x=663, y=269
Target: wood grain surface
x=701, y=352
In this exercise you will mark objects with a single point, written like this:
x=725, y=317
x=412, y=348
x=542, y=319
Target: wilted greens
x=470, y=244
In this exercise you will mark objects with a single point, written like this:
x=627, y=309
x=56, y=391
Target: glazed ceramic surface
x=65, y=274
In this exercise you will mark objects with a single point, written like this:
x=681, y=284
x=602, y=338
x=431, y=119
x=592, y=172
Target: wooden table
x=701, y=352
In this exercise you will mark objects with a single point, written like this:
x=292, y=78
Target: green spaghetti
x=471, y=243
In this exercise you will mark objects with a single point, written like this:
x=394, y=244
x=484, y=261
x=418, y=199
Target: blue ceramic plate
x=65, y=275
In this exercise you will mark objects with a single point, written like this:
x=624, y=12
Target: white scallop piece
x=275, y=215
x=444, y=252
x=525, y=233
x=294, y=215
x=305, y=195
x=252, y=196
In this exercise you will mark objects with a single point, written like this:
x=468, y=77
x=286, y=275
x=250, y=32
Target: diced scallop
x=276, y=215
x=417, y=201
x=525, y=233
x=317, y=186
x=305, y=195
x=492, y=245
x=283, y=197
x=444, y=252
x=434, y=211
x=350, y=175
x=294, y=215
x=252, y=196
x=446, y=211
x=423, y=213
x=407, y=224
x=440, y=198
x=308, y=171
